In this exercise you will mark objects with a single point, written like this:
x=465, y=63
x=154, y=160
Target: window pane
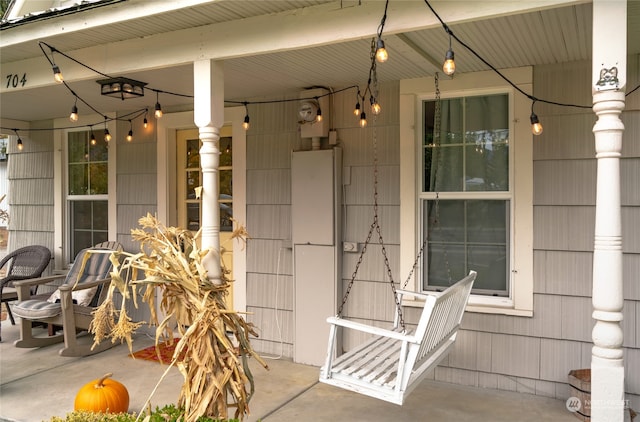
x=193, y=216
x=472, y=151
x=100, y=216
x=88, y=223
x=81, y=215
x=99, y=152
x=78, y=179
x=451, y=121
x=193, y=153
x=491, y=264
x=226, y=213
x=98, y=179
x=226, y=189
x=487, y=221
x=487, y=167
x=193, y=181
x=225, y=152
x=467, y=235
x=78, y=147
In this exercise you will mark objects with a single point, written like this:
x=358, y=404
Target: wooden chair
x=21, y=264
x=70, y=307
x=392, y=363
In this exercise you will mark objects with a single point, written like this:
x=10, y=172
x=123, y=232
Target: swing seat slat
x=391, y=364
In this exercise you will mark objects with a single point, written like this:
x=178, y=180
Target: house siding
x=31, y=186
x=136, y=179
x=524, y=354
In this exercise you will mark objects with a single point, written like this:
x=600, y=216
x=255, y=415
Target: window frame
x=63, y=255
x=412, y=93
x=503, y=195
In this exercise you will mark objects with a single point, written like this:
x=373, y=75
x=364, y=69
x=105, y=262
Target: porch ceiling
x=543, y=36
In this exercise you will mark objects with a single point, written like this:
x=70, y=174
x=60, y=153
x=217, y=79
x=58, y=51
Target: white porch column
x=208, y=102
x=609, y=80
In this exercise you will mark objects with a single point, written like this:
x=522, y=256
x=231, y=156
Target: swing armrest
x=417, y=295
x=371, y=330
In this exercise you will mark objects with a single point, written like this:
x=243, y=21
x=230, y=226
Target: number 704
x=14, y=80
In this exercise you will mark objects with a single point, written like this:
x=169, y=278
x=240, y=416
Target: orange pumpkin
x=103, y=395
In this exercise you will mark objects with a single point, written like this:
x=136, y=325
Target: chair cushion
x=36, y=309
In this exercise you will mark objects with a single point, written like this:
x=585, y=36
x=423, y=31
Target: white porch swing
x=394, y=361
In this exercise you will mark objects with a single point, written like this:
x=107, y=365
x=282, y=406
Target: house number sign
x=15, y=80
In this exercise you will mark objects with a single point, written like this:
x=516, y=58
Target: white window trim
x=412, y=92
x=60, y=140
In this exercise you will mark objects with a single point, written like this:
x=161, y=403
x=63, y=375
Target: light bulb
x=93, y=139
x=375, y=108
x=130, y=136
x=536, y=126
x=158, y=112
x=20, y=146
x=356, y=110
x=381, y=52
x=245, y=124
x=145, y=123
x=363, y=119
x=449, y=66
x=57, y=75
x=107, y=135
x=74, y=114
x=319, y=115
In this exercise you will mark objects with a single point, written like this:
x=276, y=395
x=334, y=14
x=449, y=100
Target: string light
x=57, y=75
x=363, y=119
x=74, y=112
x=107, y=135
x=318, y=111
x=449, y=66
x=536, y=126
x=130, y=134
x=20, y=146
x=381, y=52
x=158, y=112
x=371, y=88
x=375, y=106
x=245, y=124
x=145, y=122
x=92, y=139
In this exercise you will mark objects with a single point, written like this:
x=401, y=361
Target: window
x=469, y=193
x=87, y=191
x=465, y=196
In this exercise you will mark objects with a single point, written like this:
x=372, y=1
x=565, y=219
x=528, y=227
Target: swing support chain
x=375, y=225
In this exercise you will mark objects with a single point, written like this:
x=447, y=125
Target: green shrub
x=168, y=413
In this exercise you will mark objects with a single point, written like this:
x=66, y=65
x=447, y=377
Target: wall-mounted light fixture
x=122, y=88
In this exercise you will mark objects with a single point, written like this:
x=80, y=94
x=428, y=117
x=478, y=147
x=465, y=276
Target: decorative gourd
x=103, y=395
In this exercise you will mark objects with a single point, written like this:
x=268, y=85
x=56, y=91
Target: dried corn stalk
x=214, y=346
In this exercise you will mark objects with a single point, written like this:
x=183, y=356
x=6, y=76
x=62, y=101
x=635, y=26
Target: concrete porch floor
x=36, y=384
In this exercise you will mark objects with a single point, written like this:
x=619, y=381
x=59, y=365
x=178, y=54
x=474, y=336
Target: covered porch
x=287, y=392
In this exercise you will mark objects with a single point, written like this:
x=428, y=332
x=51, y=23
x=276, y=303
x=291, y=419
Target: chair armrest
x=371, y=330
x=24, y=286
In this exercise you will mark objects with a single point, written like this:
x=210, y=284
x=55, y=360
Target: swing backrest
x=440, y=320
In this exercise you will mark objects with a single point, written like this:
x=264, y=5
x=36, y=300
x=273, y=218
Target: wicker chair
x=21, y=264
